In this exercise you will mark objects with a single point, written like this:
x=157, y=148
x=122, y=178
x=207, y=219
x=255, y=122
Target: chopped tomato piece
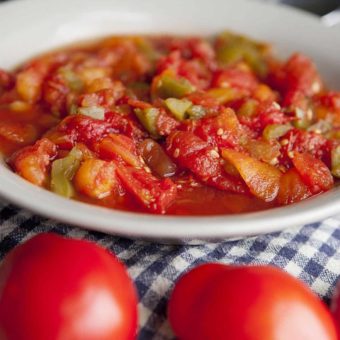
x=165, y=124
x=301, y=141
x=55, y=91
x=18, y=132
x=32, y=162
x=196, y=72
x=78, y=129
x=262, y=179
x=204, y=99
x=154, y=194
x=103, y=97
x=298, y=74
x=124, y=124
x=327, y=106
x=263, y=114
x=193, y=153
x=84, y=129
x=266, y=151
x=223, y=130
x=28, y=85
x=330, y=99
x=6, y=80
x=313, y=172
x=236, y=78
x=118, y=147
x=139, y=104
x=169, y=62
x=292, y=188
x=196, y=155
x=96, y=178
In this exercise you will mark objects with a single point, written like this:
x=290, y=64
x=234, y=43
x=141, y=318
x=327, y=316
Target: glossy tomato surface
x=214, y=301
x=58, y=288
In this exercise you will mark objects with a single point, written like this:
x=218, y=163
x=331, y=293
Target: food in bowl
x=172, y=125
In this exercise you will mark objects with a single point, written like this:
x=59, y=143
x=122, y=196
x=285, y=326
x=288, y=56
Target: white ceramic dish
x=30, y=27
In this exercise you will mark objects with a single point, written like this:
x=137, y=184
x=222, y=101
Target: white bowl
x=30, y=27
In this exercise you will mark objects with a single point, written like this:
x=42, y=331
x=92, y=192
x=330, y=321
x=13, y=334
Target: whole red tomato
x=55, y=288
x=216, y=301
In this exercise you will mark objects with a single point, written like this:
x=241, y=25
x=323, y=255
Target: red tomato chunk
x=172, y=125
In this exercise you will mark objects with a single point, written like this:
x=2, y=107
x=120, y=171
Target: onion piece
x=95, y=112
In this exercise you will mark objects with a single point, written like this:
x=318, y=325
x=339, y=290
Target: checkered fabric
x=311, y=253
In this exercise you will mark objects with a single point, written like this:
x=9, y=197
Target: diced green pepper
x=275, y=131
x=232, y=48
x=170, y=87
x=336, y=162
x=303, y=121
x=145, y=46
x=230, y=54
x=148, y=118
x=63, y=171
x=248, y=109
x=178, y=107
x=196, y=112
x=73, y=81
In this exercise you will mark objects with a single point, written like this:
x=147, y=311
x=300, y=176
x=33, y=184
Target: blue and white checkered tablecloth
x=311, y=253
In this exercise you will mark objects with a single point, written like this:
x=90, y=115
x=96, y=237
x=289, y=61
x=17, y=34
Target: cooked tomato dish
x=172, y=125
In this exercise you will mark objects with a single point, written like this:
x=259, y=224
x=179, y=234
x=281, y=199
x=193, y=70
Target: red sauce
x=172, y=125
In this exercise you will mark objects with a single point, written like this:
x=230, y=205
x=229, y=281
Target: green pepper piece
x=63, y=171
x=233, y=48
x=248, y=109
x=178, y=107
x=230, y=54
x=146, y=47
x=336, y=162
x=196, y=112
x=170, y=87
x=256, y=61
x=275, y=131
x=72, y=79
x=303, y=119
x=148, y=118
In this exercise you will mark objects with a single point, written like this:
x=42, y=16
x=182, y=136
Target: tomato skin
x=243, y=80
x=298, y=74
x=58, y=288
x=153, y=193
x=32, y=162
x=313, y=172
x=215, y=302
x=292, y=188
x=305, y=142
